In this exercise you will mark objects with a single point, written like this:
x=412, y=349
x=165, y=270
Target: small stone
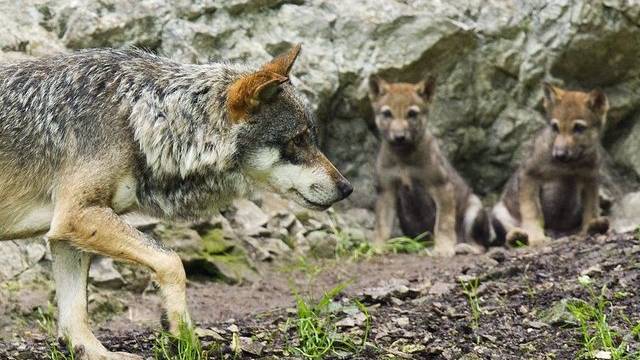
x=604, y=355
x=208, y=334
x=441, y=288
x=252, y=347
x=402, y=321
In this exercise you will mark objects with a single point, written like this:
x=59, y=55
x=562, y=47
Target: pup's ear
x=377, y=87
x=598, y=102
x=426, y=88
x=248, y=92
x=282, y=64
x=552, y=95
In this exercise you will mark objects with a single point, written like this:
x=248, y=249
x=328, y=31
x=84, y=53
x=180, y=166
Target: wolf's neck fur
x=187, y=143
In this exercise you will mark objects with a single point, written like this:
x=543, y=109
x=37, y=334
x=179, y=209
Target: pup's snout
x=344, y=188
x=561, y=154
x=400, y=138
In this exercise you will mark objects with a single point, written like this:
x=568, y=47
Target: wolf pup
x=88, y=136
x=415, y=181
x=556, y=187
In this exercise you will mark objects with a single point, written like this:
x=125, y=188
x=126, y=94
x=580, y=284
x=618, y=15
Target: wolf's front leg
x=592, y=222
x=385, y=215
x=99, y=230
x=445, y=226
x=532, y=220
x=70, y=271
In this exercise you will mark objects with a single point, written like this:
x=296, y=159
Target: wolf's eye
x=387, y=113
x=412, y=114
x=554, y=127
x=579, y=128
x=301, y=139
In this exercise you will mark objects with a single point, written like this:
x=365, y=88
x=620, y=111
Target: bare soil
x=418, y=308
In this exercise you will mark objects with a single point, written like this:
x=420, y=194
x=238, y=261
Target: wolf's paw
x=80, y=353
x=114, y=356
x=468, y=249
x=599, y=225
x=517, y=237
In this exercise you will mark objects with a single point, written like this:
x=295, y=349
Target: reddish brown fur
x=246, y=93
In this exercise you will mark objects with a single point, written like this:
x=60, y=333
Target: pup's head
x=401, y=110
x=576, y=119
x=279, y=143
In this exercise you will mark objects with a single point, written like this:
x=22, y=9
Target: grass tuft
x=317, y=331
x=408, y=245
x=184, y=346
x=470, y=290
x=597, y=335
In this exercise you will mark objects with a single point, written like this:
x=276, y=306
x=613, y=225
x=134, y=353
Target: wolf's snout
x=344, y=188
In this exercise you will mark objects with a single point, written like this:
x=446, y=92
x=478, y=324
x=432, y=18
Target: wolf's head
x=279, y=143
x=401, y=110
x=576, y=119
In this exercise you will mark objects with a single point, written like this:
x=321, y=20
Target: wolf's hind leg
x=70, y=271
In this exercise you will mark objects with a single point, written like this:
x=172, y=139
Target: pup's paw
x=444, y=251
x=468, y=249
x=517, y=238
x=599, y=225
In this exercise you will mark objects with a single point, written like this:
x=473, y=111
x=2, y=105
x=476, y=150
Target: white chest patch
x=125, y=196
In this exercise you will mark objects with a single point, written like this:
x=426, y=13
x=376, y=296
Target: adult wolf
x=91, y=135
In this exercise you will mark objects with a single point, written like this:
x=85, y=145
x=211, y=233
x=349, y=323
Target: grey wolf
x=555, y=189
x=89, y=136
x=416, y=183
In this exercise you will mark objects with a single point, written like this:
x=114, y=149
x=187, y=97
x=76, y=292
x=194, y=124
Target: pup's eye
x=412, y=114
x=387, y=113
x=579, y=128
x=554, y=127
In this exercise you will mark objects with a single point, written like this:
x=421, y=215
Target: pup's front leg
x=385, y=215
x=592, y=223
x=445, y=226
x=532, y=222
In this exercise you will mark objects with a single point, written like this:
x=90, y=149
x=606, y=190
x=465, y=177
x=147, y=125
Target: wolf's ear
x=552, y=95
x=598, y=102
x=248, y=92
x=377, y=87
x=282, y=64
x=426, y=88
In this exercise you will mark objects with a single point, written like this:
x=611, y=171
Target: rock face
x=489, y=58
x=18, y=257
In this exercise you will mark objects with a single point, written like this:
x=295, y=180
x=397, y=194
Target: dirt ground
x=417, y=306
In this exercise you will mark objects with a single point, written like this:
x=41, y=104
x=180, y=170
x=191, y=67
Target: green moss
x=214, y=242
